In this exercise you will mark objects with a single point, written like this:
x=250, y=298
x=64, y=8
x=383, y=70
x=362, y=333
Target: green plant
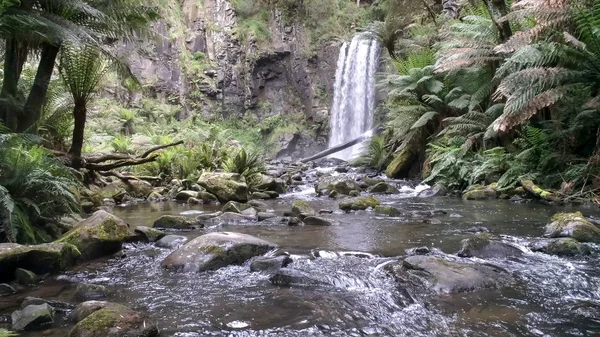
x=374, y=155
x=244, y=162
x=6, y=333
x=122, y=144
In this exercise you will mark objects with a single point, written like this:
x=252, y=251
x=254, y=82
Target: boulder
x=235, y=207
x=216, y=250
x=207, y=197
x=358, y=203
x=114, y=321
x=87, y=308
x=229, y=218
x=272, y=194
x=301, y=209
x=316, y=221
x=86, y=292
x=261, y=216
x=444, y=276
x=149, y=234
x=185, y=195
x=99, y=235
x=260, y=196
x=270, y=263
x=195, y=201
x=387, y=210
x=573, y=225
x=293, y=221
x=250, y=213
x=271, y=184
x=97, y=194
x=560, y=246
x=177, y=222
x=25, y=277
x=258, y=205
x=287, y=277
x=479, y=192
x=225, y=186
x=382, y=188
x=136, y=188
x=438, y=190
x=171, y=241
x=342, y=184
x=486, y=246
x=56, y=305
x=401, y=163
x=32, y=317
x=41, y=259
x=6, y=289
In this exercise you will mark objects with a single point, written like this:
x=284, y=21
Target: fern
x=374, y=155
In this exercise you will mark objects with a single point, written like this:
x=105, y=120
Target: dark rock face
x=32, y=317
x=560, y=246
x=484, y=245
x=41, y=259
x=270, y=263
x=287, y=277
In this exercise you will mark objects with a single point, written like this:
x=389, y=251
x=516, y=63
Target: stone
x=229, y=218
x=258, y=205
x=293, y=221
x=171, y=241
x=155, y=196
x=25, y=277
x=358, y=203
x=325, y=211
x=354, y=193
x=573, y=225
x=560, y=246
x=444, y=276
x=208, y=197
x=6, y=289
x=177, y=222
x=479, y=192
x=185, y=195
x=342, y=184
x=195, y=201
x=235, y=207
x=117, y=321
x=477, y=229
x=271, y=184
x=301, y=209
x=216, y=250
x=99, y=235
x=485, y=246
x=418, y=251
x=316, y=221
x=401, y=163
x=438, y=190
x=387, y=210
x=265, y=215
x=270, y=263
x=149, y=234
x=272, y=194
x=225, y=186
x=32, y=317
x=382, y=188
x=40, y=259
x=86, y=292
x=87, y=308
x=333, y=194
x=56, y=305
x=287, y=277
x=136, y=188
x=260, y=196
x=250, y=213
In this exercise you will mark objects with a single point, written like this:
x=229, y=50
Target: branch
x=119, y=163
x=127, y=178
x=159, y=147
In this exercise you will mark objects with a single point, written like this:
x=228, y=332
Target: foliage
x=374, y=155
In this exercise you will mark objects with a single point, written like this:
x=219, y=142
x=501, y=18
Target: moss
x=96, y=324
x=359, y=203
x=477, y=241
x=480, y=193
x=387, y=210
x=400, y=164
x=566, y=246
x=108, y=230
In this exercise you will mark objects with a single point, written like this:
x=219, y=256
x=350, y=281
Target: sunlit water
x=552, y=296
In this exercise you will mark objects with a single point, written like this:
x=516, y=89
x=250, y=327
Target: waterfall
x=354, y=93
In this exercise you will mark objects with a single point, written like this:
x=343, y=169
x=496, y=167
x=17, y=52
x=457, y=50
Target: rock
x=87, y=308
x=387, y=210
x=258, y=205
x=316, y=221
x=155, y=196
x=185, y=195
x=136, y=188
x=479, y=192
x=573, y=225
x=437, y=190
x=6, y=289
x=271, y=184
x=354, y=193
x=259, y=196
x=250, y=213
x=301, y=209
x=41, y=259
x=444, y=276
x=486, y=246
x=333, y=194
x=270, y=263
x=177, y=222
x=370, y=181
x=358, y=203
x=32, y=317
x=401, y=164
x=99, y=235
x=235, y=207
x=108, y=202
x=171, y=241
x=287, y=277
x=114, y=321
x=195, y=201
x=325, y=211
x=56, y=305
x=25, y=277
x=342, y=184
x=264, y=216
x=382, y=188
x=418, y=251
x=216, y=250
x=560, y=246
x=111, y=191
x=477, y=229
x=229, y=218
x=150, y=234
x=272, y=194
x=85, y=291
x=207, y=197
x=293, y=221
x=225, y=186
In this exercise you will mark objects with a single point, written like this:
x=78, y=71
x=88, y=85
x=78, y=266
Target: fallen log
x=340, y=147
x=128, y=178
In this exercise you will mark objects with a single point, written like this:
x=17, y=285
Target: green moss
x=387, y=210
x=566, y=246
x=480, y=194
x=6, y=333
x=574, y=216
x=359, y=203
x=477, y=241
x=400, y=164
x=97, y=323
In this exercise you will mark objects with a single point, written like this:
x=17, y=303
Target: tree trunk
x=37, y=96
x=497, y=9
x=79, y=115
x=15, y=56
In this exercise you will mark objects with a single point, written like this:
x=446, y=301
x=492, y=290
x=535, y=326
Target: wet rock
x=418, y=251
x=560, y=246
x=155, y=196
x=149, y=234
x=479, y=192
x=261, y=216
x=6, y=289
x=477, y=229
x=86, y=292
x=32, y=317
x=325, y=211
x=234, y=207
x=486, y=246
x=316, y=221
x=115, y=321
x=287, y=277
x=271, y=184
x=99, y=235
x=229, y=218
x=354, y=193
x=358, y=203
x=333, y=194
x=207, y=197
x=25, y=277
x=177, y=222
x=382, y=188
x=436, y=191
x=270, y=263
x=195, y=201
x=207, y=216
x=171, y=241
x=258, y=205
x=136, y=188
x=297, y=177
x=260, y=196
x=216, y=250
x=444, y=276
x=56, y=305
x=87, y=308
x=185, y=195
x=41, y=259
x=293, y=221
x=340, y=184
x=272, y=194
x=225, y=186
x=250, y=213
x=387, y=210
x=341, y=169
x=573, y=225
x=455, y=215
x=302, y=209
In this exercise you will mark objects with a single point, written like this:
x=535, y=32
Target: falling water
x=354, y=94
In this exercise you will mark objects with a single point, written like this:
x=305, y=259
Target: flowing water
x=553, y=296
x=354, y=93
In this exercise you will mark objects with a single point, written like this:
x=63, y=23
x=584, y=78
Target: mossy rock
x=32, y=317
x=176, y=222
x=269, y=183
x=99, y=235
x=185, y=195
x=382, y=188
x=387, y=210
x=573, y=225
x=260, y=196
x=225, y=186
x=136, y=188
x=371, y=181
x=486, y=246
x=358, y=203
x=149, y=234
x=208, y=197
x=560, y=246
x=536, y=191
x=479, y=192
x=340, y=184
x=216, y=250
x=401, y=164
x=97, y=194
x=301, y=209
x=235, y=207
x=87, y=308
x=317, y=221
x=40, y=259
x=114, y=321
x=25, y=277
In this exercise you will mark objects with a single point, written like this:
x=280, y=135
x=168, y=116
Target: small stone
x=382, y=188
x=264, y=216
x=418, y=251
x=302, y=209
x=25, y=277
x=171, y=241
x=150, y=234
x=560, y=246
x=316, y=221
x=85, y=292
x=6, y=289
x=455, y=215
x=270, y=263
x=360, y=203
x=293, y=221
x=250, y=213
x=32, y=317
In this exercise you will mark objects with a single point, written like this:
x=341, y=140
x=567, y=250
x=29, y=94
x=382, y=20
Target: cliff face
x=206, y=61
